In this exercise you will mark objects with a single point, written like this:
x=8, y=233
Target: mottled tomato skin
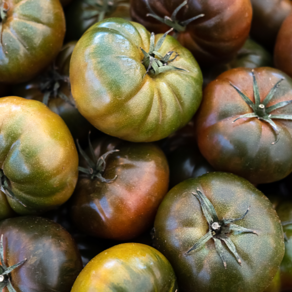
x=180, y=223
x=268, y=16
x=126, y=207
x=114, y=94
x=32, y=36
x=283, y=47
x=245, y=147
x=213, y=38
x=37, y=155
x=127, y=267
x=53, y=260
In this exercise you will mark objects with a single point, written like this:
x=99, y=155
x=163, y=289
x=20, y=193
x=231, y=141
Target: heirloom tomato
x=283, y=47
x=82, y=14
x=38, y=157
x=127, y=267
x=212, y=30
x=117, y=198
x=45, y=255
x=31, y=36
x=244, y=125
x=133, y=85
x=220, y=234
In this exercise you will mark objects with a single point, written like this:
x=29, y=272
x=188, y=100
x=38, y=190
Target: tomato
x=119, y=199
x=122, y=92
x=127, y=267
x=32, y=34
x=48, y=257
x=283, y=47
x=82, y=14
x=251, y=55
x=235, y=138
x=194, y=229
x=219, y=32
x=38, y=157
x=52, y=87
x=268, y=16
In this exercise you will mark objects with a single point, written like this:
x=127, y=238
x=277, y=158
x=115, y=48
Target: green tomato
x=129, y=89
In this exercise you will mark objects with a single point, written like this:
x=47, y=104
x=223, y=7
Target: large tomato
x=214, y=37
x=220, y=234
x=47, y=255
x=127, y=267
x=244, y=124
x=32, y=34
x=38, y=157
x=283, y=47
x=129, y=89
x=82, y=14
x=118, y=199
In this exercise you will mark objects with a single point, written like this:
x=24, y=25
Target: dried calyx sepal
x=219, y=230
x=260, y=109
x=178, y=26
x=96, y=165
x=154, y=62
x=5, y=188
x=5, y=281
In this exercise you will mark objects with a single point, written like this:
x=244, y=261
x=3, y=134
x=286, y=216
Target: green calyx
x=178, y=26
x=154, y=62
x=50, y=86
x=96, y=165
x=5, y=188
x=3, y=10
x=5, y=281
x=260, y=109
x=219, y=230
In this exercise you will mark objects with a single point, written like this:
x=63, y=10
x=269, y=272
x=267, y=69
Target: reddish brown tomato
x=215, y=37
x=283, y=47
x=257, y=147
x=125, y=207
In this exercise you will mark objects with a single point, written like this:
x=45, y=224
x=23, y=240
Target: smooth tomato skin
x=38, y=31
x=268, y=17
x=113, y=94
x=180, y=223
x=53, y=260
x=276, y=284
x=38, y=158
x=5, y=209
x=126, y=207
x=283, y=47
x=127, y=267
x=224, y=143
x=80, y=16
x=213, y=38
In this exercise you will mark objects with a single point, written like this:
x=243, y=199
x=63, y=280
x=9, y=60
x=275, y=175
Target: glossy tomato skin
x=283, y=47
x=180, y=223
x=245, y=147
x=53, y=260
x=77, y=124
x=113, y=94
x=39, y=159
x=268, y=17
x=213, y=38
x=136, y=267
x=81, y=15
x=38, y=31
x=126, y=207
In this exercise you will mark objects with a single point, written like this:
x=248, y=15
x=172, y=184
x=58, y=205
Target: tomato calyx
x=219, y=230
x=96, y=165
x=260, y=109
x=154, y=62
x=178, y=26
x=5, y=188
x=5, y=271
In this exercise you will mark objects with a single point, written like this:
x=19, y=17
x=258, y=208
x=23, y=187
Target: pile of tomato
x=145, y=145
